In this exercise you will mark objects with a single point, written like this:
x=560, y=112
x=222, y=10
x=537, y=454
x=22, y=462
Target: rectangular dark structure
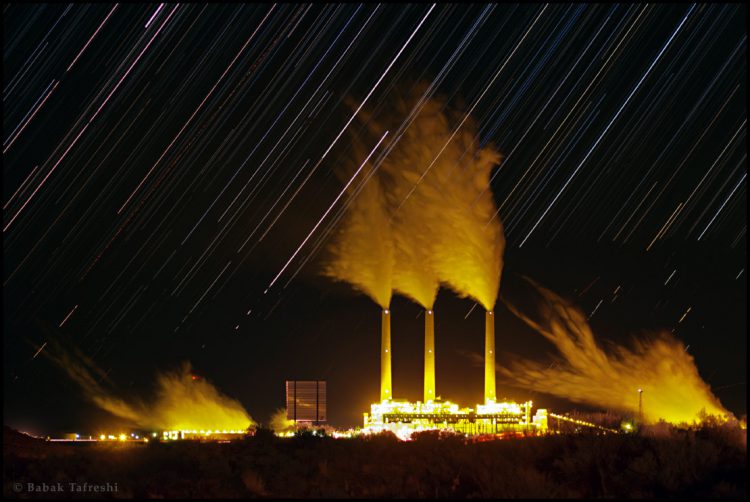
x=306, y=400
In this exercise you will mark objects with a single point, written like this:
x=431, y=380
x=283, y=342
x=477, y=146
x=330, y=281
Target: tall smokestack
x=489, y=357
x=386, y=390
x=429, y=356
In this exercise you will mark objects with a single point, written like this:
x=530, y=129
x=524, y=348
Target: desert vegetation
x=658, y=461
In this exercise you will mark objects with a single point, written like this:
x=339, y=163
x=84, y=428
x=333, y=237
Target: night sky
x=163, y=164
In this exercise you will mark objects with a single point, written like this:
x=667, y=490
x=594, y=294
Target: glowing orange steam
x=661, y=367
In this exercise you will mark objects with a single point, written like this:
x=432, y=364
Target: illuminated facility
x=403, y=417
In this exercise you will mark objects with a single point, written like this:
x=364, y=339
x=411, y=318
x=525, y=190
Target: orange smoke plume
x=671, y=386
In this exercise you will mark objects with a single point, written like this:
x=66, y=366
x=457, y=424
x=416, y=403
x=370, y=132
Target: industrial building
x=403, y=417
x=306, y=401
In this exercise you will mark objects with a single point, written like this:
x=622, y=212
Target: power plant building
x=403, y=417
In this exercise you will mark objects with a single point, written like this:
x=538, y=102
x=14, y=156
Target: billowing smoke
x=432, y=189
x=413, y=225
x=660, y=366
x=181, y=401
x=92, y=381
x=442, y=205
x=361, y=251
x=186, y=403
x=280, y=424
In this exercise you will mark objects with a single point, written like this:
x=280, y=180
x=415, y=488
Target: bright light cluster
x=377, y=410
x=199, y=434
x=491, y=407
x=121, y=437
x=173, y=435
x=402, y=430
x=403, y=418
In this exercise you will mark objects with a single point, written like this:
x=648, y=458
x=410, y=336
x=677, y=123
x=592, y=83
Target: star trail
x=169, y=189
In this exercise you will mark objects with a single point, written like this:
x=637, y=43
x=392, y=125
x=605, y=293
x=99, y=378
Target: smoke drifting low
x=183, y=403
x=180, y=401
x=432, y=187
x=672, y=388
